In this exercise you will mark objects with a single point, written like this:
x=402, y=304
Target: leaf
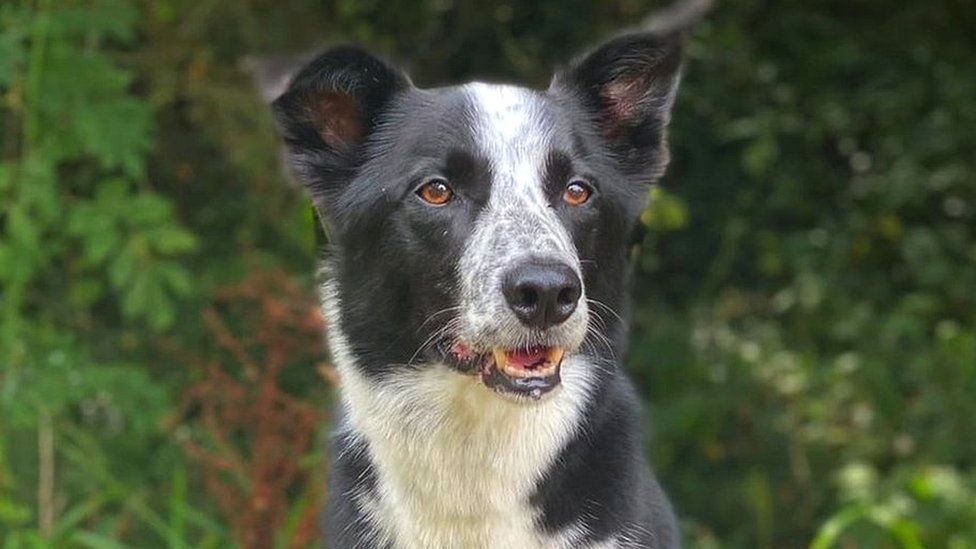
x=122, y=268
x=113, y=19
x=86, y=112
x=13, y=513
x=117, y=133
x=177, y=508
x=759, y=156
x=97, y=541
x=831, y=530
x=171, y=240
x=148, y=210
x=665, y=211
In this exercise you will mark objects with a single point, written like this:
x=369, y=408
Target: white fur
x=514, y=134
x=455, y=463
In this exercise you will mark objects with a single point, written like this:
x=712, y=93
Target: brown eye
x=435, y=192
x=577, y=193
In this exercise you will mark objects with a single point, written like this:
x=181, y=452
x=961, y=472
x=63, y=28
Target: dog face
x=481, y=226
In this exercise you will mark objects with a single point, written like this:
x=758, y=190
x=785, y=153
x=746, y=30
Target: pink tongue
x=525, y=358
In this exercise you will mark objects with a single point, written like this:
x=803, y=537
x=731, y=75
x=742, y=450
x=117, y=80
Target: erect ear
x=329, y=109
x=627, y=86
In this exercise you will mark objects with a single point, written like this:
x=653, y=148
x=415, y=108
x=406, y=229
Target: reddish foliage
x=253, y=434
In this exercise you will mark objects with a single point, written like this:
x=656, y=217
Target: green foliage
x=816, y=318
x=85, y=242
x=806, y=288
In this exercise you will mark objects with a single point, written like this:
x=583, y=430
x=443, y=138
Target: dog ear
x=627, y=86
x=328, y=111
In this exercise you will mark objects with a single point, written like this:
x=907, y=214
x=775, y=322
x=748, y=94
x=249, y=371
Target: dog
x=475, y=290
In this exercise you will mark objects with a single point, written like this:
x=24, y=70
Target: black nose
x=542, y=294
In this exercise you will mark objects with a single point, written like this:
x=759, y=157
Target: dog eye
x=577, y=193
x=435, y=192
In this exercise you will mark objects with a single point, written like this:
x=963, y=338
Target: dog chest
x=455, y=464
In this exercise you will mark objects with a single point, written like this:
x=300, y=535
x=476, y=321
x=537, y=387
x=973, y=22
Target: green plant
x=804, y=316
x=90, y=256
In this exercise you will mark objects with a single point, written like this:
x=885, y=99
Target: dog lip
x=530, y=387
x=529, y=372
x=461, y=357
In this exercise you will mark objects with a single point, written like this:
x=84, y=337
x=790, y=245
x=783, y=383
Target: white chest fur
x=455, y=463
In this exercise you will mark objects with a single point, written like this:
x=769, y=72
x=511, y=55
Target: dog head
x=481, y=226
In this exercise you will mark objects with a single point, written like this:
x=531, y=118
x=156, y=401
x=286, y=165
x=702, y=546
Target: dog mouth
x=524, y=372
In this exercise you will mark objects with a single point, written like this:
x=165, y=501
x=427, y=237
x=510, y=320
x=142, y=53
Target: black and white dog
x=478, y=261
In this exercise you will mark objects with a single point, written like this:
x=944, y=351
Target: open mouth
x=529, y=372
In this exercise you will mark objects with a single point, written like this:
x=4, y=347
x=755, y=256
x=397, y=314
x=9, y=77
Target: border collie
x=475, y=289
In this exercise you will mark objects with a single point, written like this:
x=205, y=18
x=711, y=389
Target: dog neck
x=455, y=464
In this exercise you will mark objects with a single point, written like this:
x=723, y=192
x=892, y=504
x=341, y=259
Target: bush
x=804, y=332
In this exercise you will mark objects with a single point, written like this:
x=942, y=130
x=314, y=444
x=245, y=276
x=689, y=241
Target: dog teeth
x=555, y=356
x=501, y=360
x=553, y=359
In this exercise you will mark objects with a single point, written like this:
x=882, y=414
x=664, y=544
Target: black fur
x=394, y=259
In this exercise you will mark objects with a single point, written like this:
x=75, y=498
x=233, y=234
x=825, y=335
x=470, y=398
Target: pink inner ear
x=624, y=97
x=336, y=115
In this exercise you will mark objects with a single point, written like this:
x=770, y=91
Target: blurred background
x=804, y=327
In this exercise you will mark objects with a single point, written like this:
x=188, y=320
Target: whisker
x=603, y=365
x=607, y=308
x=436, y=335
x=424, y=323
x=438, y=313
x=602, y=339
x=602, y=324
